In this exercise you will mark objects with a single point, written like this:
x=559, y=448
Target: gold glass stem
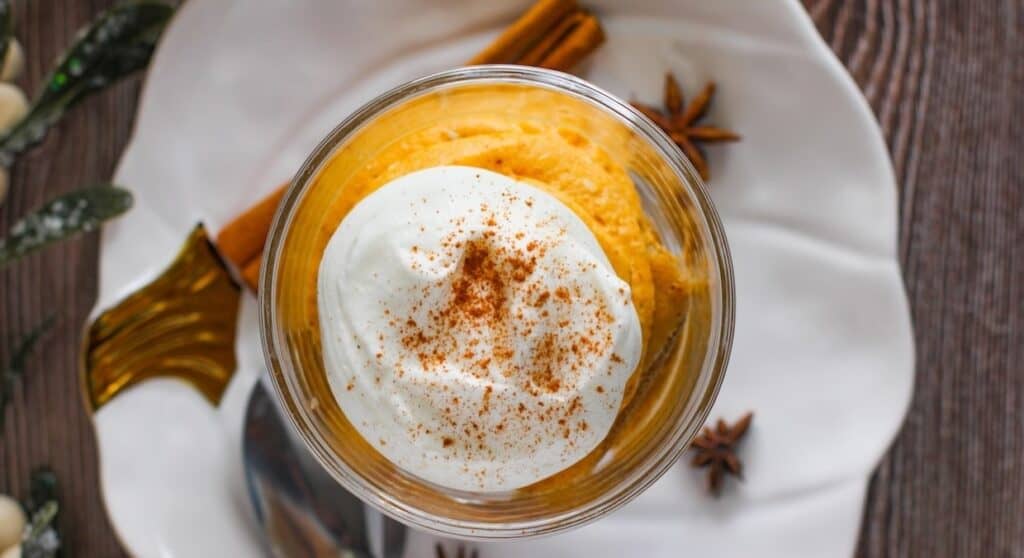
x=181, y=325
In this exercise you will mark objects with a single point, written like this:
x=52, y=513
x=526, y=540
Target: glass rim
x=705, y=389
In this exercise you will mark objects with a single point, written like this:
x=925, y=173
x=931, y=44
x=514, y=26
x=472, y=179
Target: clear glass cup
x=650, y=433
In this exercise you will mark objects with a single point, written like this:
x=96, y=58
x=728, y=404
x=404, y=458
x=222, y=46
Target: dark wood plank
x=946, y=80
x=47, y=423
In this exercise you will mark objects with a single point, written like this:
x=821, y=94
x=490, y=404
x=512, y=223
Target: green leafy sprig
x=119, y=42
x=64, y=216
x=41, y=538
x=15, y=368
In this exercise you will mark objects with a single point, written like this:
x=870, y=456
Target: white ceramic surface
x=240, y=92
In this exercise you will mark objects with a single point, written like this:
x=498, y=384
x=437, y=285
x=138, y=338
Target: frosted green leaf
x=40, y=539
x=67, y=215
x=15, y=367
x=119, y=42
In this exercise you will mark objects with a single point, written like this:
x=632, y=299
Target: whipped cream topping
x=473, y=330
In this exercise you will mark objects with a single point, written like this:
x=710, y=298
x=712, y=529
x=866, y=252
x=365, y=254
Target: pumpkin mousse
x=489, y=299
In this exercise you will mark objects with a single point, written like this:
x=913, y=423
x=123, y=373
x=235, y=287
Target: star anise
x=681, y=125
x=716, y=449
x=460, y=552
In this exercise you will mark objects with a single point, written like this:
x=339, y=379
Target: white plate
x=240, y=92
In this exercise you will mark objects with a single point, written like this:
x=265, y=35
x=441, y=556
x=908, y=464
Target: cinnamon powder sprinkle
x=501, y=317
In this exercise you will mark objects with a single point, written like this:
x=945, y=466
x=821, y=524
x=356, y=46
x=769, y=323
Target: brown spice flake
x=562, y=294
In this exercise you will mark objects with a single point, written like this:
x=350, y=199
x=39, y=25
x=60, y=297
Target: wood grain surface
x=946, y=80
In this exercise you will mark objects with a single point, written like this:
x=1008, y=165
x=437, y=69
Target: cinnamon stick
x=581, y=41
x=242, y=239
x=251, y=273
x=556, y=35
x=528, y=30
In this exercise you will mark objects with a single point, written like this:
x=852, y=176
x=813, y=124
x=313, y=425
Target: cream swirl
x=473, y=330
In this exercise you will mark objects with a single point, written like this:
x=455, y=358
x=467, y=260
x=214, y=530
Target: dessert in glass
x=496, y=302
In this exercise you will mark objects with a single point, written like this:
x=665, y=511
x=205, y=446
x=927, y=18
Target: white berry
x=13, y=105
x=14, y=61
x=12, y=522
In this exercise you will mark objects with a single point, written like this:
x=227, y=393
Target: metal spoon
x=303, y=510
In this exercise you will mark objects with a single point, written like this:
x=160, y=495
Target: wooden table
x=946, y=80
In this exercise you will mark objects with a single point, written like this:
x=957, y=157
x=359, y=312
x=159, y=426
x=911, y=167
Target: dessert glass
x=676, y=394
